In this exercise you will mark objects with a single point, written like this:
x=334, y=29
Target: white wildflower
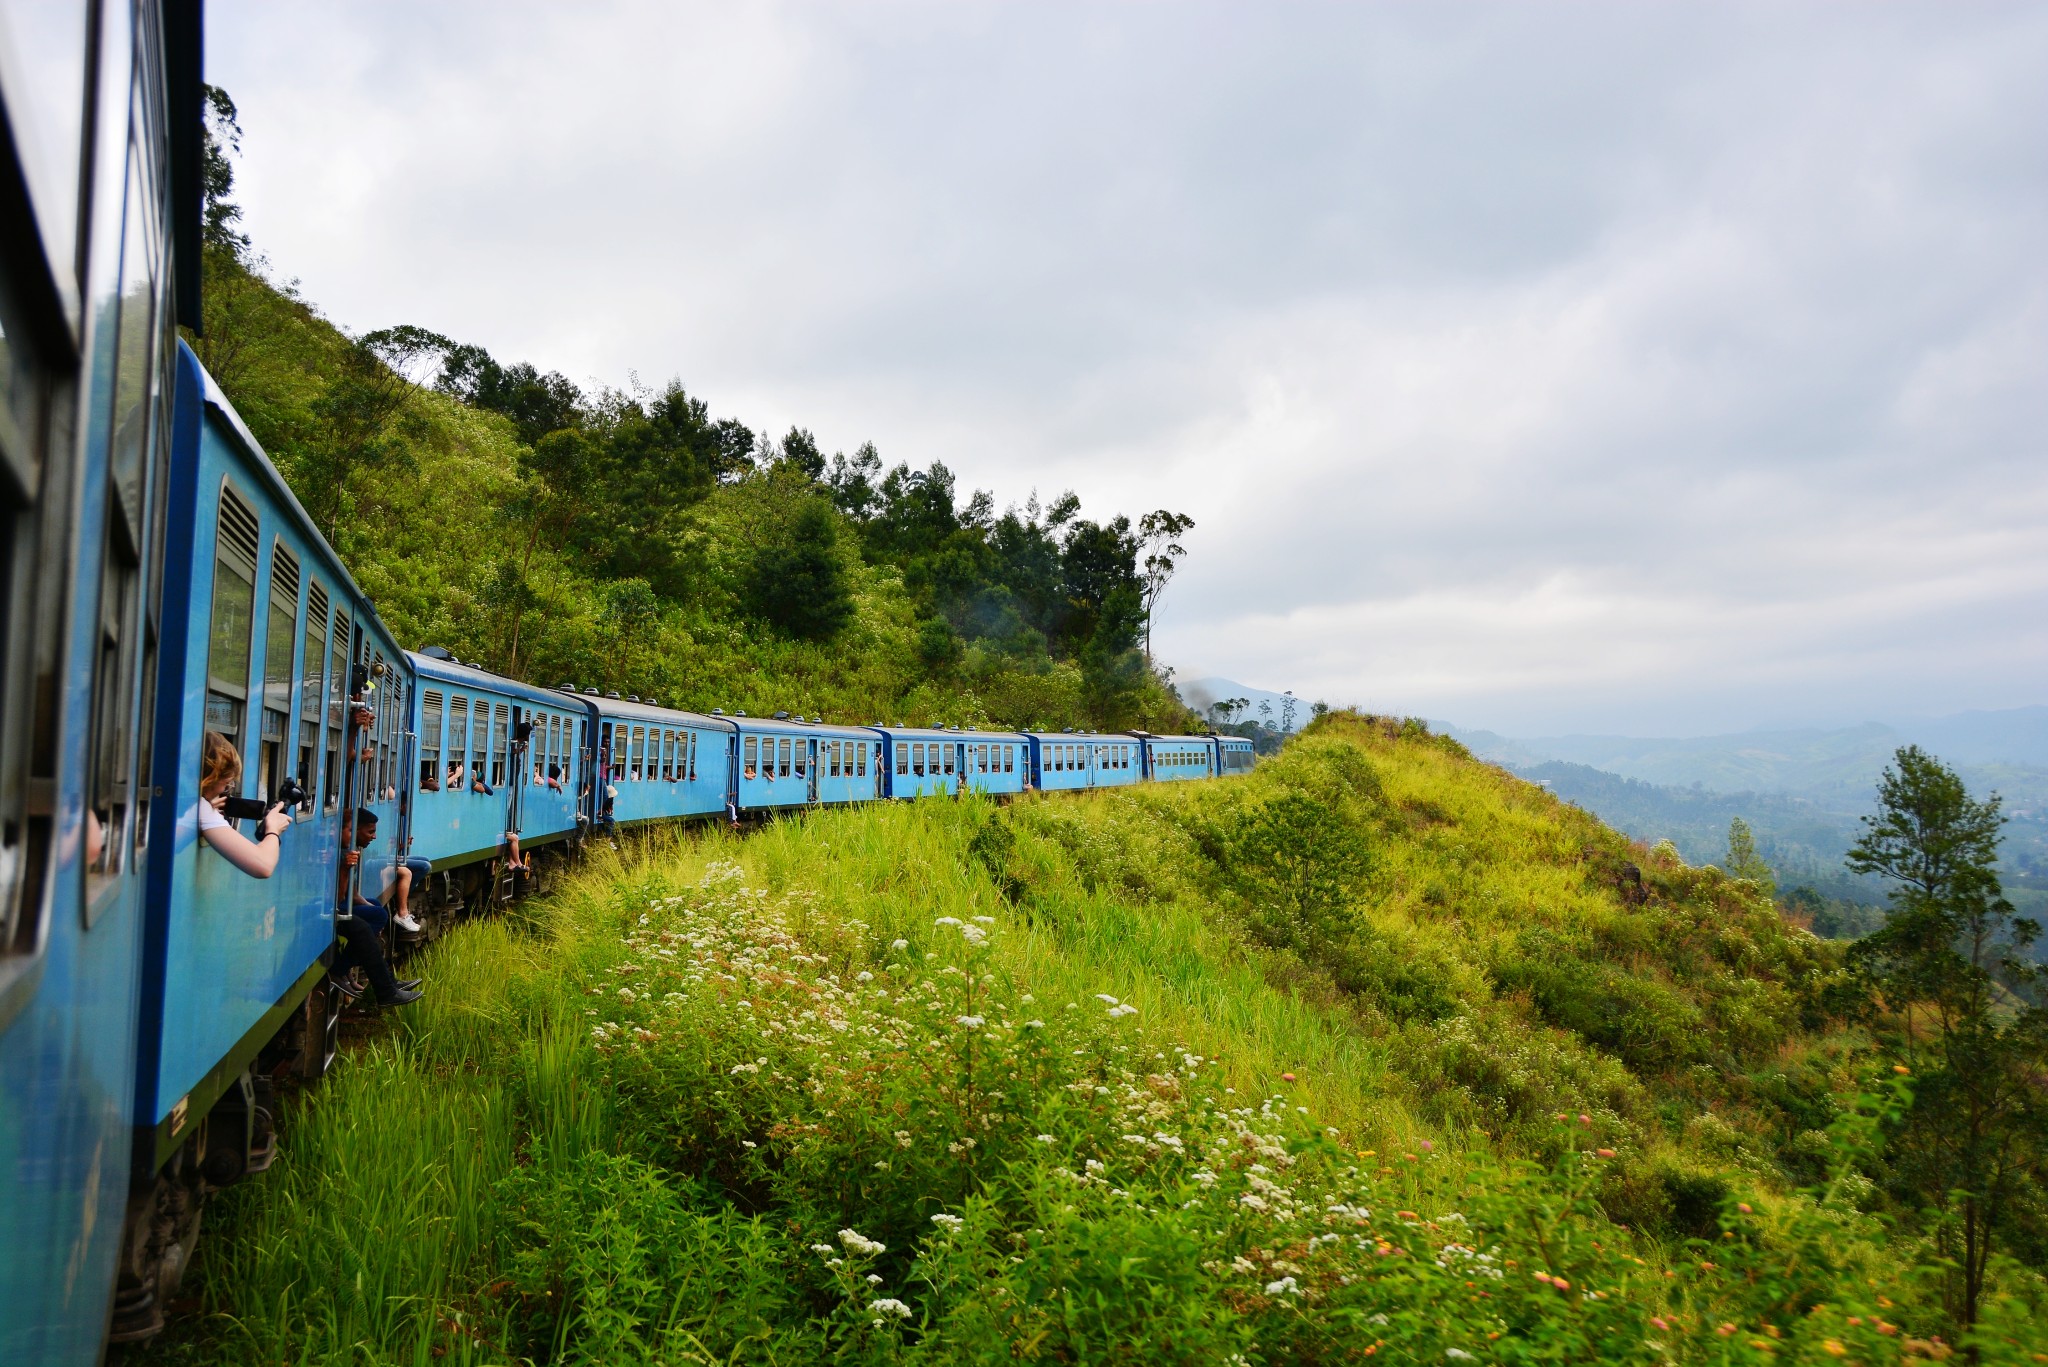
x=986, y=920
x=947, y=921
x=889, y=1305
x=899, y=944
x=948, y=1221
x=855, y=1242
x=1045, y=1139
x=1105, y=998
x=970, y=1022
x=1284, y=1287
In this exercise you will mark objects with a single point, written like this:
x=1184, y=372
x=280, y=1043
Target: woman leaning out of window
x=220, y=770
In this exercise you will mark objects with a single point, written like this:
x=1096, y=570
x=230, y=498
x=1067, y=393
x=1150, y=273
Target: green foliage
x=729, y=1081
x=797, y=583
x=1958, y=1003
x=1743, y=860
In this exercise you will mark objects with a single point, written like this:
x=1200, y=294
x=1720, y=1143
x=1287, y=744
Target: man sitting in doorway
x=361, y=934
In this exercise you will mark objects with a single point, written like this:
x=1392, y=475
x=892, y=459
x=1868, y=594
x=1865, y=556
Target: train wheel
x=156, y=1247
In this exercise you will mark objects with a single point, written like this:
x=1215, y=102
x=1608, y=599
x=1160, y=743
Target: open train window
x=501, y=740
x=431, y=706
x=690, y=769
x=782, y=761
x=234, y=605
x=458, y=742
x=902, y=758
x=749, y=764
x=338, y=659
x=311, y=679
x=280, y=636
x=801, y=750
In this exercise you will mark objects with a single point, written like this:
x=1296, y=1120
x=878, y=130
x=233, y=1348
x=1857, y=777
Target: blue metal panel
x=800, y=770
x=1177, y=759
x=1235, y=755
x=224, y=947
x=920, y=761
x=456, y=823
x=995, y=762
x=643, y=785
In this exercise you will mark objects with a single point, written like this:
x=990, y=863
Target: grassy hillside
x=1376, y=1053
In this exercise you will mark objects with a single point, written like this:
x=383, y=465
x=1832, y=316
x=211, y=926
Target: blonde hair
x=219, y=761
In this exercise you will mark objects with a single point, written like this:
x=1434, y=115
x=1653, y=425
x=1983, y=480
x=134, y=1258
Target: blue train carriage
x=1174, y=759
x=655, y=763
x=1234, y=755
x=268, y=644
x=99, y=263
x=491, y=757
x=997, y=763
x=785, y=761
x=919, y=761
x=1066, y=761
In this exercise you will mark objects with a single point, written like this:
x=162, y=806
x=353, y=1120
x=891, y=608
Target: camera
x=290, y=793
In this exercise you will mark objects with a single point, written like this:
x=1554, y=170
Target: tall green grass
x=624, y=1124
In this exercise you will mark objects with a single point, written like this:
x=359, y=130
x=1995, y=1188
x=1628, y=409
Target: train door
x=808, y=745
x=516, y=770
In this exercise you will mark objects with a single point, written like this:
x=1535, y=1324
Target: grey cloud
x=1531, y=365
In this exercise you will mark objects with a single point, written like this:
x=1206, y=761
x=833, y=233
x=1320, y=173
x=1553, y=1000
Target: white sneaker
x=407, y=924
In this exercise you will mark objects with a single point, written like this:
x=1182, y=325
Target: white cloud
x=1545, y=367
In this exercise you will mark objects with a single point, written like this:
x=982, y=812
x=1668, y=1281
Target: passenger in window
x=453, y=781
x=220, y=770
x=476, y=780
x=554, y=778
x=362, y=933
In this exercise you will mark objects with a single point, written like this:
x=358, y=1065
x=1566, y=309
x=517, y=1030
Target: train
x=162, y=583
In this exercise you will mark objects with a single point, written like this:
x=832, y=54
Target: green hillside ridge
x=1376, y=1052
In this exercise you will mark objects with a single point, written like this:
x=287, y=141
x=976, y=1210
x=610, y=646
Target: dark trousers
x=362, y=948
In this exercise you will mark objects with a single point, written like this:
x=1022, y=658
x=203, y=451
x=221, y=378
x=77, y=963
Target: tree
x=1112, y=671
x=1745, y=862
x=631, y=611
x=379, y=373
x=1955, y=1000
x=800, y=586
x=1299, y=865
x=1159, y=536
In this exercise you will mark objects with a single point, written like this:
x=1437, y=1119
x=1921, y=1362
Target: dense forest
x=628, y=540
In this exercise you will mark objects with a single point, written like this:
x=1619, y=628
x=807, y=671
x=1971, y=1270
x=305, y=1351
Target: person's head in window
x=220, y=772
x=365, y=828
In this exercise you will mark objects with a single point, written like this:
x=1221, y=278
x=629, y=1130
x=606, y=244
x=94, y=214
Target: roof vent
x=570, y=688
x=436, y=653
x=630, y=697
x=782, y=716
x=741, y=713
x=613, y=696
x=589, y=692
x=717, y=711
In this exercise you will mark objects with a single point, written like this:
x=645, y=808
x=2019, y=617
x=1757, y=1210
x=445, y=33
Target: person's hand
x=275, y=821
x=219, y=804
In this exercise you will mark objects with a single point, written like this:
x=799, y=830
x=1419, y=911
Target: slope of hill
x=1233, y=1071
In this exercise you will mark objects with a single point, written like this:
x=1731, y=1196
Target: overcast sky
x=1625, y=368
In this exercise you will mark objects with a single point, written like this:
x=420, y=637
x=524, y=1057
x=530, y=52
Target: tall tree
x=1159, y=535
x=380, y=372
x=1743, y=860
x=1959, y=1006
x=799, y=584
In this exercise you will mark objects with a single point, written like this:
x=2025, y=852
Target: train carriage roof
x=628, y=710
x=945, y=733
x=471, y=676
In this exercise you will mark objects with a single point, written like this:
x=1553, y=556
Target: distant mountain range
x=1802, y=791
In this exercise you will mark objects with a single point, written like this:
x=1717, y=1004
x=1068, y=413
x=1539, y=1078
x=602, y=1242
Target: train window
x=946, y=755
x=802, y=749
x=458, y=742
x=501, y=740
x=234, y=602
x=312, y=676
x=479, y=742
x=860, y=759
x=749, y=765
x=677, y=743
x=782, y=765
x=902, y=757
x=279, y=637
x=430, y=741
x=636, y=751
x=917, y=756
x=337, y=682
